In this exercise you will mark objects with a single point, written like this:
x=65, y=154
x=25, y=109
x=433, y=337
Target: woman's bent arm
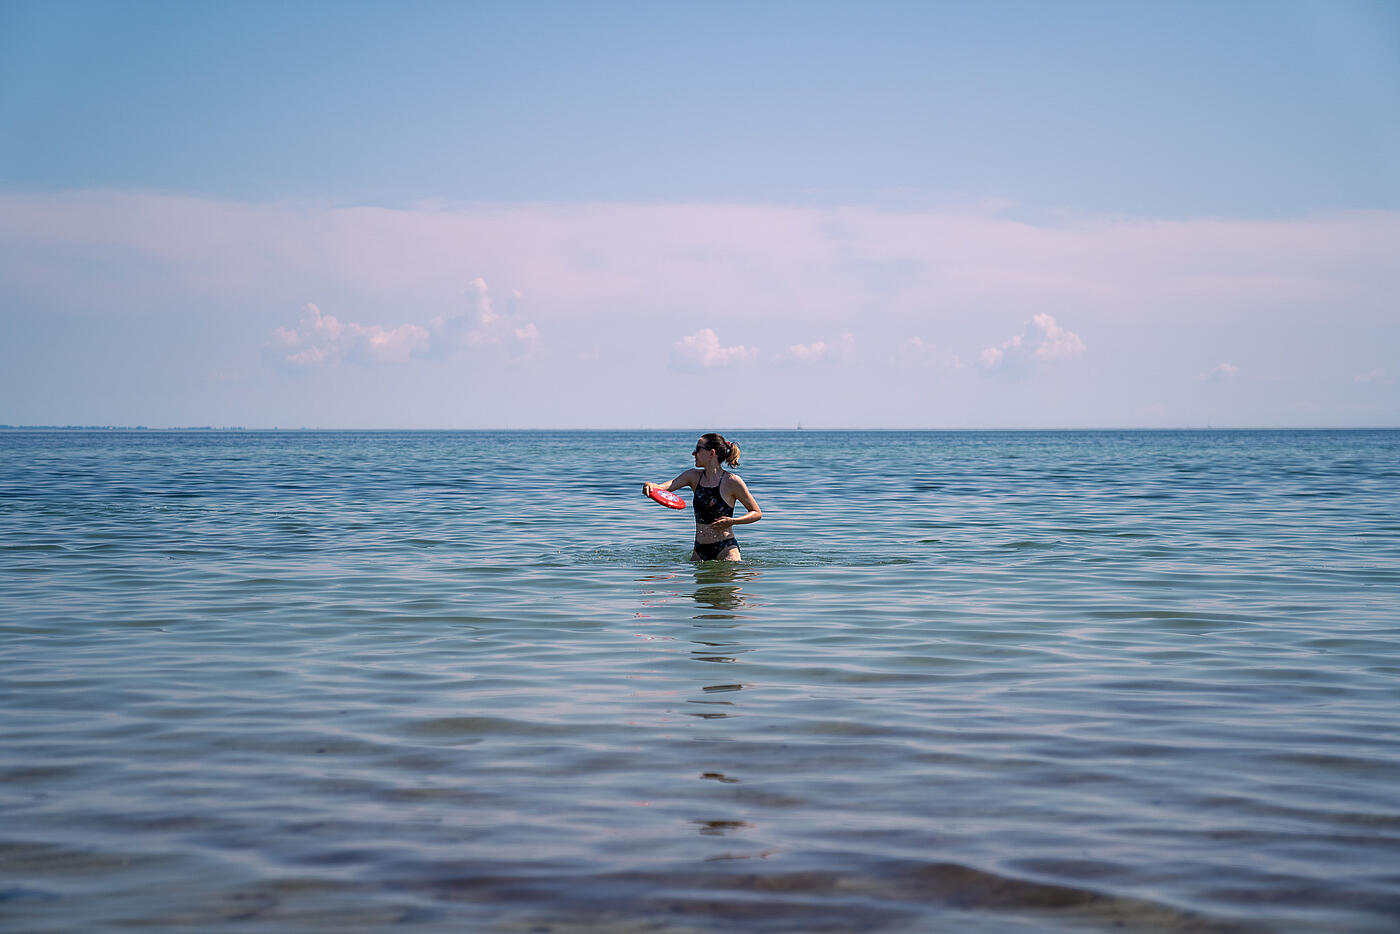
x=741, y=495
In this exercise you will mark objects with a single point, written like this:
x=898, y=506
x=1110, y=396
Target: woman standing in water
x=716, y=492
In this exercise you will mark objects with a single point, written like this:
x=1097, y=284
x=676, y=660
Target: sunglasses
x=698, y=449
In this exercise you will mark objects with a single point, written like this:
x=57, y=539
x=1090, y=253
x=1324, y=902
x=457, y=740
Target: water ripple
x=997, y=682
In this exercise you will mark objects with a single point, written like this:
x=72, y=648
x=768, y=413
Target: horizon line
x=770, y=428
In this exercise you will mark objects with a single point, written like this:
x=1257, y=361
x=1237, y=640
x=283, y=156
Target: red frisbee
x=667, y=498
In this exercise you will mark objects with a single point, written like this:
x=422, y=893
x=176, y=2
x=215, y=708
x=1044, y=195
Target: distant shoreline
x=240, y=428
x=131, y=428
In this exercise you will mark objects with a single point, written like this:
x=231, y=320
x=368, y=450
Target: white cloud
x=817, y=351
x=481, y=324
x=1055, y=342
x=392, y=345
x=308, y=357
x=483, y=309
x=805, y=353
x=1222, y=372
x=1145, y=294
x=1042, y=340
x=320, y=337
x=702, y=350
x=523, y=339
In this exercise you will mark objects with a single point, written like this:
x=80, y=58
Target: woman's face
x=703, y=455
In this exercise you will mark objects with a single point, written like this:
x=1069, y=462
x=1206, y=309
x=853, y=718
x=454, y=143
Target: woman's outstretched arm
x=670, y=485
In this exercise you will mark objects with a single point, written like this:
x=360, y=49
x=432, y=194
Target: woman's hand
x=647, y=488
x=722, y=523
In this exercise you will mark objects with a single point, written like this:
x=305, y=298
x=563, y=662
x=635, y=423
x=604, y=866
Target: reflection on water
x=720, y=586
x=720, y=593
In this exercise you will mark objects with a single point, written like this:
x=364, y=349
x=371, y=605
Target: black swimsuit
x=710, y=505
x=709, y=551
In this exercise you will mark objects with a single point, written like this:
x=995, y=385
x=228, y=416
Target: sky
x=702, y=215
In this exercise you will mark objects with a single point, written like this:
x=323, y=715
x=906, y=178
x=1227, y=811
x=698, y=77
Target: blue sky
x=642, y=215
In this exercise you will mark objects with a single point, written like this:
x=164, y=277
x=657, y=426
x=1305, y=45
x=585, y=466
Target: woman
x=716, y=492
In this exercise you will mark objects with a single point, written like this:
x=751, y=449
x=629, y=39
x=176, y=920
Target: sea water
x=961, y=681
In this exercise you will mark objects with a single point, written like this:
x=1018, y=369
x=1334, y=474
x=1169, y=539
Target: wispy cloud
x=1222, y=372
x=1042, y=340
x=482, y=324
x=320, y=338
x=817, y=352
x=702, y=350
x=915, y=350
x=1128, y=303
x=918, y=353
x=816, y=260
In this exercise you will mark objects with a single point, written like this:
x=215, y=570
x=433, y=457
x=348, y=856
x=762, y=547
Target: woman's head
x=726, y=452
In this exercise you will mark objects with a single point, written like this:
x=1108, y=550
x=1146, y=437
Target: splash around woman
x=716, y=492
